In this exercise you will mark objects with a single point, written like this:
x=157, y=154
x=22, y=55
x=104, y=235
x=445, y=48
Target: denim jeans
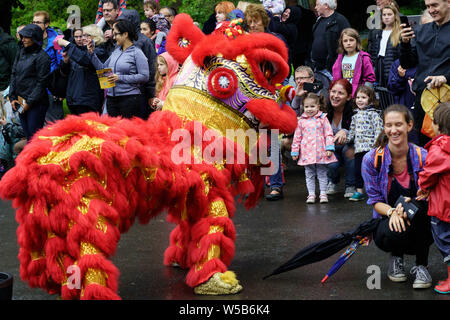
x=33, y=119
x=333, y=168
x=276, y=180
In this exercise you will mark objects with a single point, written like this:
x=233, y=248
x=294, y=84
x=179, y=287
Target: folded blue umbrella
x=345, y=256
x=326, y=248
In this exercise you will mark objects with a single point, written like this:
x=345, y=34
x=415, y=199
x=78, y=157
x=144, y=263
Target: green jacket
x=8, y=51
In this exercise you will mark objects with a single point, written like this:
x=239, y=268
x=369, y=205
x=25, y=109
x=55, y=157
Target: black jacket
x=429, y=51
x=31, y=70
x=8, y=51
x=288, y=30
x=83, y=87
x=148, y=48
x=346, y=116
x=390, y=56
x=304, y=30
x=336, y=23
x=210, y=25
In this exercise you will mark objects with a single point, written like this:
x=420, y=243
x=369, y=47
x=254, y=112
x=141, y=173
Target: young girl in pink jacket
x=352, y=63
x=313, y=146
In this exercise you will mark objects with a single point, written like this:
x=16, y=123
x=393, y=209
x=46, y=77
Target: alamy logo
x=74, y=19
x=374, y=281
x=74, y=280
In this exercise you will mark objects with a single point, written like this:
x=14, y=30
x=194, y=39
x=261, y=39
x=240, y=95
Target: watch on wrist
x=389, y=212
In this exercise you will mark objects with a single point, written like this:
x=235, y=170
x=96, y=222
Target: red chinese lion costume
x=82, y=181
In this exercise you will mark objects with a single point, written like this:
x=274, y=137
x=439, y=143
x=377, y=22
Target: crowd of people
x=341, y=119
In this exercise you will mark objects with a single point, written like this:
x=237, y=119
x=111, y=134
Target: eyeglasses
x=301, y=78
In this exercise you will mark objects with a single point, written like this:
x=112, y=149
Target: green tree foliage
x=199, y=10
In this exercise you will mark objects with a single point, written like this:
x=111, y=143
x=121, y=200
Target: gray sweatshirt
x=132, y=67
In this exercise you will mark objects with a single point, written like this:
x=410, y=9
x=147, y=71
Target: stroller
x=384, y=96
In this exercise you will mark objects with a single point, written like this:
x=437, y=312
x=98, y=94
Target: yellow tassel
x=219, y=284
x=229, y=277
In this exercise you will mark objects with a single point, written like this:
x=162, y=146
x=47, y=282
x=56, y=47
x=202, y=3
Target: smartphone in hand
x=404, y=20
x=19, y=108
x=409, y=207
x=312, y=87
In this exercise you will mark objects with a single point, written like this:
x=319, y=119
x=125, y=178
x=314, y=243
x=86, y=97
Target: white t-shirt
x=348, y=66
x=383, y=43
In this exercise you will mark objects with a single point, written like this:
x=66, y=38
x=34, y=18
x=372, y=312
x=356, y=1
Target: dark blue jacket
x=83, y=87
x=400, y=87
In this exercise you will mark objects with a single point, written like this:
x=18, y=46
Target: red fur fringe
x=266, y=110
x=194, y=278
x=98, y=193
x=98, y=292
x=183, y=28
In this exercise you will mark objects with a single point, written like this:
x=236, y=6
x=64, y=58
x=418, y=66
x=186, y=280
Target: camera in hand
x=409, y=207
x=312, y=87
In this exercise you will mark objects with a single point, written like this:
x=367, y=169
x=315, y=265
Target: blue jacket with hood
x=55, y=55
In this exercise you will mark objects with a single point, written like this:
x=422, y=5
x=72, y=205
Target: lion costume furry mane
x=83, y=181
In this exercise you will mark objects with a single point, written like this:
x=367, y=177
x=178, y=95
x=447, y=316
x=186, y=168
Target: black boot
x=6, y=286
x=275, y=194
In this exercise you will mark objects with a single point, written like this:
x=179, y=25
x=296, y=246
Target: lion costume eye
x=267, y=69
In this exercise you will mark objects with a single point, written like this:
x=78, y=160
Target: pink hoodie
x=172, y=72
x=363, y=70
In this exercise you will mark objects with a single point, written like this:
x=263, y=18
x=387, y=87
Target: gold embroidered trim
x=61, y=158
x=193, y=104
x=95, y=276
x=88, y=248
x=98, y=125
x=36, y=255
x=205, y=178
x=101, y=224
x=215, y=229
x=218, y=209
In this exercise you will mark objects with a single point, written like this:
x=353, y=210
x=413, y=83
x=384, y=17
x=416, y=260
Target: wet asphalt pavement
x=266, y=237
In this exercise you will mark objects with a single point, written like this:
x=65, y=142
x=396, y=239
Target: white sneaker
x=311, y=199
x=349, y=191
x=323, y=198
x=331, y=188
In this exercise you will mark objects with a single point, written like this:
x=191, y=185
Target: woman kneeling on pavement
x=339, y=114
x=390, y=171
